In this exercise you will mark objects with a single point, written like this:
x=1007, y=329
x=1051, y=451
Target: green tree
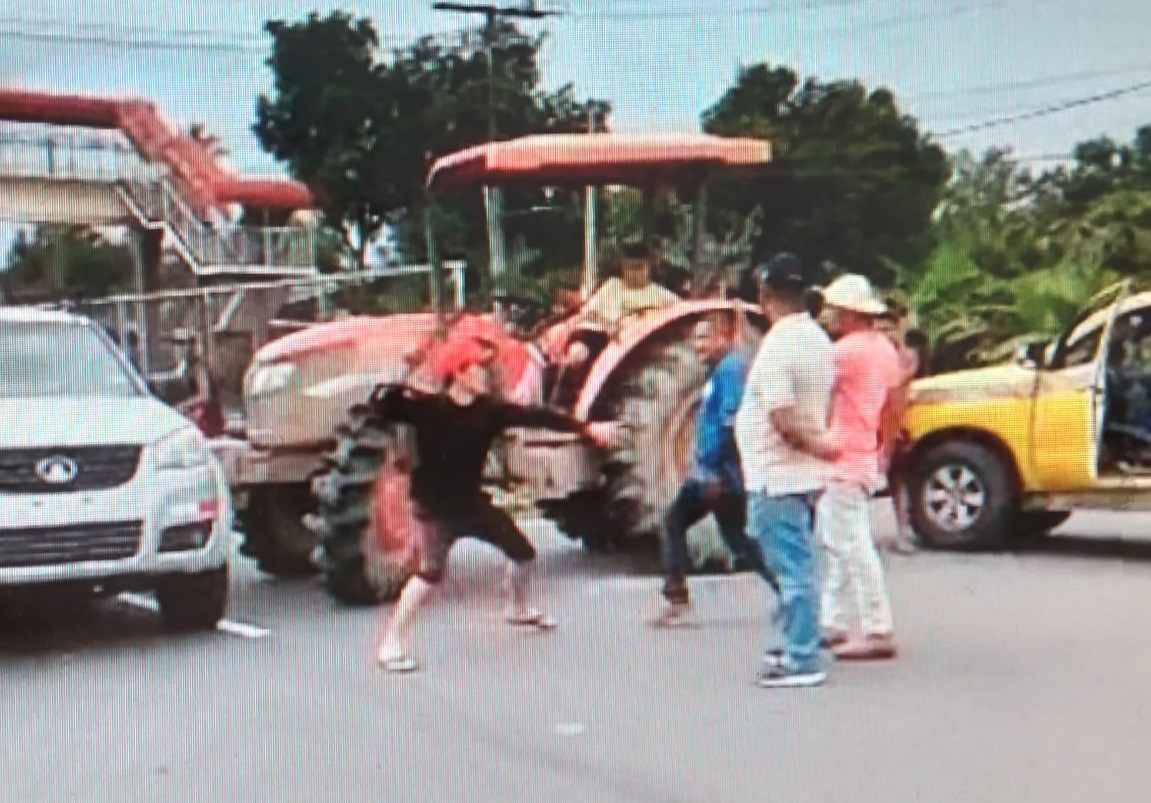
x=362, y=127
x=854, y=182
x=59, y=262
x=1011, y=261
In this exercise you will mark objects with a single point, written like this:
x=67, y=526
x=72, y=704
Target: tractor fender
x=634, y=335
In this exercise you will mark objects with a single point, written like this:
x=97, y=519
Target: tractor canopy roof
x=596, y=159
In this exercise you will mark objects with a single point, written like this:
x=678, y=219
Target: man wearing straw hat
x=868, y=374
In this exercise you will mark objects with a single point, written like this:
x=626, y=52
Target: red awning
x=209, y=183
x=599, y=159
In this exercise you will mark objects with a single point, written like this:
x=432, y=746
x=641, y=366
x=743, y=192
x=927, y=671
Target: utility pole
x=493, y=197
x=591, y=267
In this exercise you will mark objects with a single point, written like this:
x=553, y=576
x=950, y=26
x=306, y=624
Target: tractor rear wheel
x=357, y=568
x=657, y=393
x=274, y=535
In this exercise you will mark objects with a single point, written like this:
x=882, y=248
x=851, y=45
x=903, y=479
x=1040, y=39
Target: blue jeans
x=783, y=525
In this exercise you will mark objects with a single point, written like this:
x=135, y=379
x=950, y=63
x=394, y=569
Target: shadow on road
x=1081, y=546
x=30, y=627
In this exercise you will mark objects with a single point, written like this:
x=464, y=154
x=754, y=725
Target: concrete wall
x=33, y=200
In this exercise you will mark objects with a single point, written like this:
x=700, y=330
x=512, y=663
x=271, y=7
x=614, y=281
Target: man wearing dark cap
x=785, y=446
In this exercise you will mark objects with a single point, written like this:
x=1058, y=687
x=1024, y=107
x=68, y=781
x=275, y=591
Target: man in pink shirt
x=867, y=371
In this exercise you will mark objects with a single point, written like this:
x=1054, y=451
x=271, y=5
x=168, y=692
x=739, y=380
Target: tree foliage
x=362, y=128
x=854, y=182
x=67, y=262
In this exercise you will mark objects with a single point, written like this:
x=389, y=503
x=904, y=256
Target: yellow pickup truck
x=1010, y=450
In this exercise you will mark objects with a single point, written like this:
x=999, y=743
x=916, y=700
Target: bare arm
x=815, y=441
x=891, y=421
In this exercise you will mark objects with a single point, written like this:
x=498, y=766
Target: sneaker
x=778, y=673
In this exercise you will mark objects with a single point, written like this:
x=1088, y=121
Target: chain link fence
x=234, y=321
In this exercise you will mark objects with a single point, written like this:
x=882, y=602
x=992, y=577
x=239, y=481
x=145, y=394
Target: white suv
x=101, y=484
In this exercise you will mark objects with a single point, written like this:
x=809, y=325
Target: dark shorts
x=437, y=532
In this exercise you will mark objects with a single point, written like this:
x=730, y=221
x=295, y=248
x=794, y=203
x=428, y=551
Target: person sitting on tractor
x=454, y=431
x=631, y=293
x=574, y=346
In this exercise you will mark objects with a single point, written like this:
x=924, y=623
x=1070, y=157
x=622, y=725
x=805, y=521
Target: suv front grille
x=97, y=468
x=52, y=546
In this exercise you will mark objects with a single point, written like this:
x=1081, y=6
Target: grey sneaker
x=778, y=673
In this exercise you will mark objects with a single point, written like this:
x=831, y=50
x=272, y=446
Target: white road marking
x=242, y=629
x=570, y=729
x=637, y=585
x=225, y=626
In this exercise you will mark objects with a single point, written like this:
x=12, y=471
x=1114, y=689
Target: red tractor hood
x=400, y=335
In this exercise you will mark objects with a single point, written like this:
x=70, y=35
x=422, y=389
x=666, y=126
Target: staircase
x=206, y=249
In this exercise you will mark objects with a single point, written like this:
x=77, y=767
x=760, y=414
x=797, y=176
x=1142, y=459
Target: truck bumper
x=247, y=466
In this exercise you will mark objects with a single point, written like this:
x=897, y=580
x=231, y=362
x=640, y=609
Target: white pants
x=843, y=525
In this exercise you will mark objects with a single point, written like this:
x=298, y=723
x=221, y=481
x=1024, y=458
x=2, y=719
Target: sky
x=953, y=64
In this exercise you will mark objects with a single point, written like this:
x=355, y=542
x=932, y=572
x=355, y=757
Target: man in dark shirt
x=453, y=433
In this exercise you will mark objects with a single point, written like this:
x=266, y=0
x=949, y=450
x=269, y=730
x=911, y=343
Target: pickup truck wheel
x=962, y=497
x=193, y=601
x=274, y=533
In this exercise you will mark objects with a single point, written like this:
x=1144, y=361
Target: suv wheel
x=962, y=497
x=194, y=601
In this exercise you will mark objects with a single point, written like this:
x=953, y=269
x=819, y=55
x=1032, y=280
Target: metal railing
x=66, y=153
x=62, y=153
x=232, y=321
x=223, y=246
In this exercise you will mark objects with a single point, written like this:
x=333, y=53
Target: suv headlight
x=184, y=449
x=269, y=378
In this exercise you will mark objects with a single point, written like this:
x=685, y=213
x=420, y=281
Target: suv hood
x=89, y=421
x=977, y=384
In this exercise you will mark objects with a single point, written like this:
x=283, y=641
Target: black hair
x=636, y=249
x=748, y=287
x=813, y=300
x=916, y=339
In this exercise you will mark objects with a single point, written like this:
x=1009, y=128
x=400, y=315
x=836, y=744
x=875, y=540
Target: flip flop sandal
x=538, y=620
x=398, y=664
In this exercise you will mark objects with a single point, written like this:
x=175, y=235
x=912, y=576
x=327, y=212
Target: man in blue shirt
x=715, y=482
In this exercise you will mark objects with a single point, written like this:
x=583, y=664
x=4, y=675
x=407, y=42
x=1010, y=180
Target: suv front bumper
x=159, y=523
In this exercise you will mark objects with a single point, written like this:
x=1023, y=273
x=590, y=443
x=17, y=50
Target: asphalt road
x=1024, y=677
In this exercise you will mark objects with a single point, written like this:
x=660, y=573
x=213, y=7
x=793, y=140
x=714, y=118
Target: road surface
x=1024, y=677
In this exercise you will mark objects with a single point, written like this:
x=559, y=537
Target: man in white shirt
x=785, y=448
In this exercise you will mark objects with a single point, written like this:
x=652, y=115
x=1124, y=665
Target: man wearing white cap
x=867, y=373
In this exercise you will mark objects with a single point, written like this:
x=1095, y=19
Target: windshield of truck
x=60, y=359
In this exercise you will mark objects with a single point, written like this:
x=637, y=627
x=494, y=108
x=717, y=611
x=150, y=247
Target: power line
x=202, y=40
x=711, y=11
x=1032, y=83
x=1048, y=110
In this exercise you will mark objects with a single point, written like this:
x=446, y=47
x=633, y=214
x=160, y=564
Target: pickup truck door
x=1070, y=399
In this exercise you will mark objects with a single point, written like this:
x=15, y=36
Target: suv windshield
x=60, y=359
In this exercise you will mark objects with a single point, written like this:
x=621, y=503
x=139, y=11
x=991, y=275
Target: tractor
x=326, y=482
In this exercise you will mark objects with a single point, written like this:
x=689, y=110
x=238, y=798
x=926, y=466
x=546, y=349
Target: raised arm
x=394, y=403
x=603, y=433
